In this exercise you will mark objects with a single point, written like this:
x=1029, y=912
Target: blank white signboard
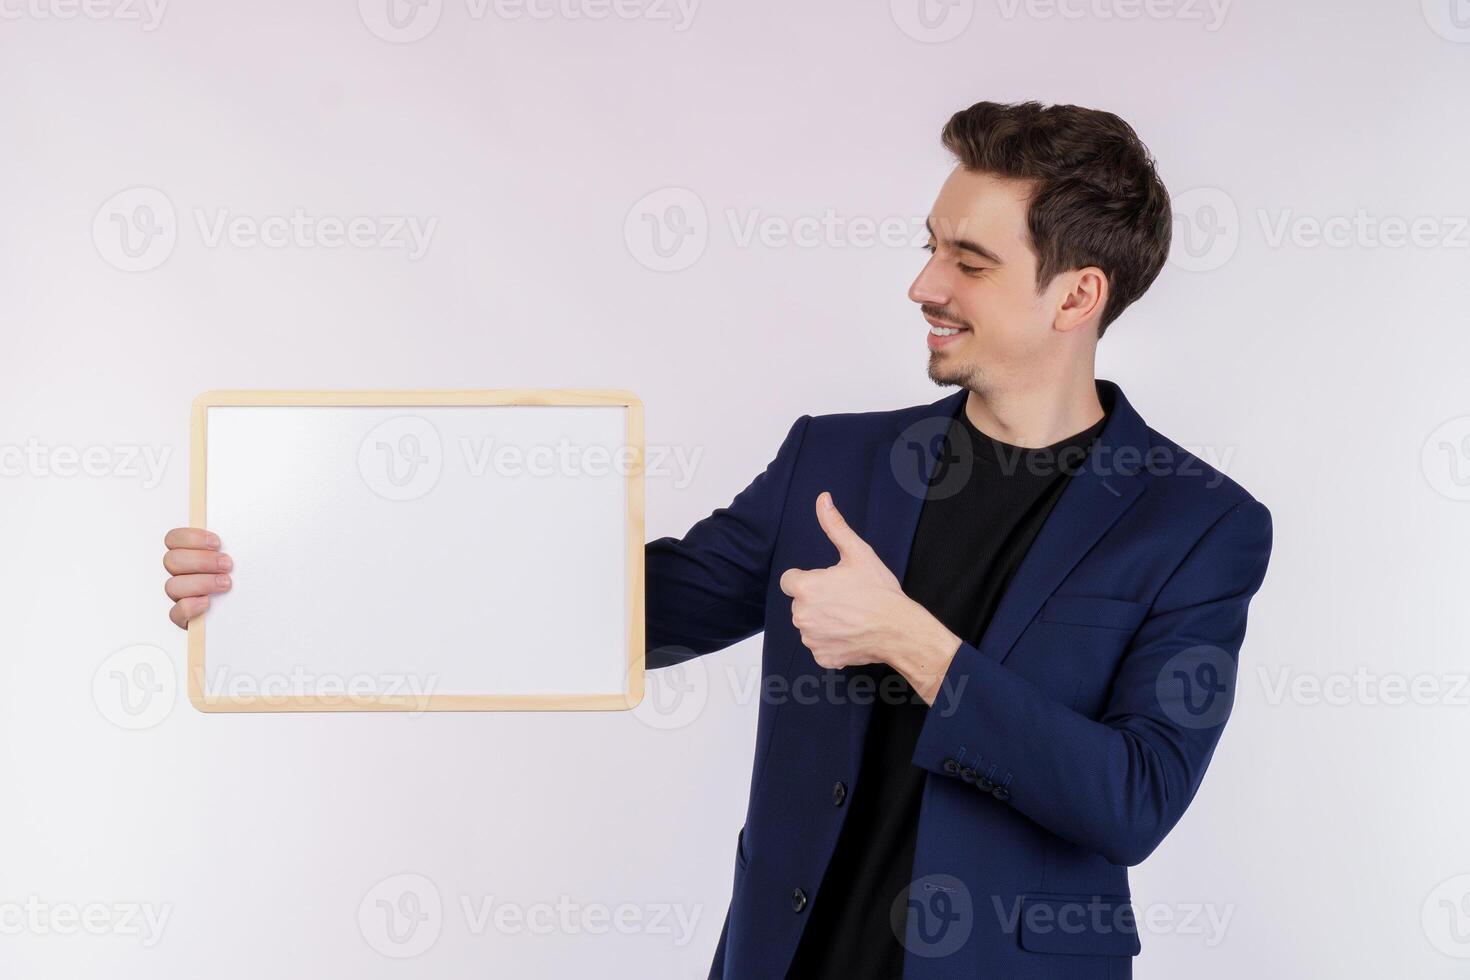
x=455, y=550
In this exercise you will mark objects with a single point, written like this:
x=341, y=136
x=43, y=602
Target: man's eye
x=929, y=248
x=969, y=270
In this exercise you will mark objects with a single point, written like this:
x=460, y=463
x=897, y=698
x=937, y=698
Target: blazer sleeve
x=1116, y=785
x=707, y=590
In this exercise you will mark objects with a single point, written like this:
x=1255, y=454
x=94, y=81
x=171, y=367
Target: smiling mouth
x=942, y=332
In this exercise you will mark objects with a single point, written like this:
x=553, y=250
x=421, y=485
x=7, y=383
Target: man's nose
x=928, y=287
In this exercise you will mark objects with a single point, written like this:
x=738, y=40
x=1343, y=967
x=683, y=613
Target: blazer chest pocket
x=1073, y=647
x=1100, y=611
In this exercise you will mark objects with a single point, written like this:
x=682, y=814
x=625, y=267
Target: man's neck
x=1037, y=416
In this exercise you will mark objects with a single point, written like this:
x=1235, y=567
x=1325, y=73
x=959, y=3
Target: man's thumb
x=850, y=547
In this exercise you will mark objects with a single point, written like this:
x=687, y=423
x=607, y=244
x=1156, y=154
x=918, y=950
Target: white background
x=1330, y=830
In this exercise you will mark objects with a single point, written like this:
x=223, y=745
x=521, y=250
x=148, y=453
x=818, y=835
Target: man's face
x=981, y=281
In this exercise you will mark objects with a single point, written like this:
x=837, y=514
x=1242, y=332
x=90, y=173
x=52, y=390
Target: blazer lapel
x=903, y=459
x=1093, y=500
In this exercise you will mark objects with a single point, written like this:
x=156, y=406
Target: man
x=1001, y=630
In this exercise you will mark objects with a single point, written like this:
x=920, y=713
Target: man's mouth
x=942, y=333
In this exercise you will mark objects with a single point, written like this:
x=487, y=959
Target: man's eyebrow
x=966, y=245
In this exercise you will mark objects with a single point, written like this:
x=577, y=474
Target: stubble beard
x=944, y=375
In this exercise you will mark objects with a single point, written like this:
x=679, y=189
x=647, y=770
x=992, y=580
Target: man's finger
x=849, y=545
x=186, y=609
x=191, y=537
x=184, y=586
x=791, y=579
x=182, y=561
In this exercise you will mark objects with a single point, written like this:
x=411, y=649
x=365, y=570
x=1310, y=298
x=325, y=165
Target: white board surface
x=458, y=555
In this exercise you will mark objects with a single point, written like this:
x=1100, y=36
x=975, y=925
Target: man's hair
x=1097, y=200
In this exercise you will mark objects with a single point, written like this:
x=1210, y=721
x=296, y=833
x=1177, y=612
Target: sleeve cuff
x=950, y=742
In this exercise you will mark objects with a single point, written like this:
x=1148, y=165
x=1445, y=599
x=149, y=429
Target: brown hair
x=1098, y=200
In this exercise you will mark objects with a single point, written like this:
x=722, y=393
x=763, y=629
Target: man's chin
x=944, y=371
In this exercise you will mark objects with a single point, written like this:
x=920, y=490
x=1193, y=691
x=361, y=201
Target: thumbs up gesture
x=856, y=612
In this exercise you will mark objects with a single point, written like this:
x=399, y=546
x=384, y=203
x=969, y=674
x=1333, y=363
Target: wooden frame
x=198, y=517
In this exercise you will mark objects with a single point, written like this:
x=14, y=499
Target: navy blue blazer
x=1060, y=749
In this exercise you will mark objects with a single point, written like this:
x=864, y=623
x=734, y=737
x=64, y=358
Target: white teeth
x=943, y=331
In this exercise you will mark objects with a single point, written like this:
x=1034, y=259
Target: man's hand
x=197, y=570
x=856, y=612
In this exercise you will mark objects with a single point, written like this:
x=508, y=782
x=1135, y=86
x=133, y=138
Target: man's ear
x=1085, y=299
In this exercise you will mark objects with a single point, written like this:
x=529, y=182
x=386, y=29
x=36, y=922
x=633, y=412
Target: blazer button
x=798, y=900
x=967, y=774
x=951, y=767
x=1001, y=793
x=985, y=784
x=839, y=793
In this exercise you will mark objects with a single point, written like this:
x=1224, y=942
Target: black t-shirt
x=985, y=502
